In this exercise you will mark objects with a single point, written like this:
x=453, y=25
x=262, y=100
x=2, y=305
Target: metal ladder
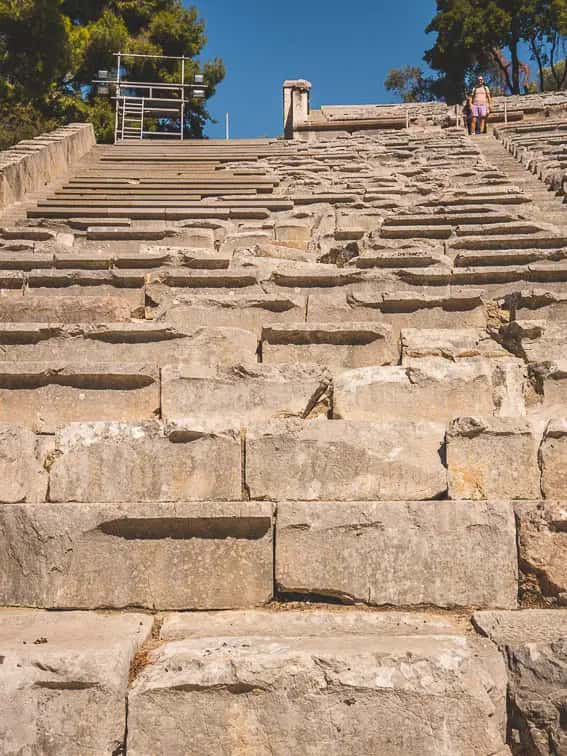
x=130, y=123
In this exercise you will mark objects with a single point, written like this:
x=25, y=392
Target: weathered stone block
x=451, y=345
x=35, y=308
x=144, y=462
x=345, y=461
x=442, y=553
x=157, y=556
x=242, y=395
x=352, y=345
x=22, y=471
x=274, y=694
x=492, y=458
x=44, y=395
x=308, y=622
x=542, y=543
x=143, y=343
x=64, y=679
x=553, y=456
x=429, y=390
x=534, y=646
x=243, y=311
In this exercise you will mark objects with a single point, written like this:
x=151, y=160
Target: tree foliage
x=410, y=84
x=479, y=35
x=51, y=50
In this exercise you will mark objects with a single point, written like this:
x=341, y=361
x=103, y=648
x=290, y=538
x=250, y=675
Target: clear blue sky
x=344, y=48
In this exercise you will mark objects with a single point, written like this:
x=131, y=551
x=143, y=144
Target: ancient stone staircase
x=320, y=386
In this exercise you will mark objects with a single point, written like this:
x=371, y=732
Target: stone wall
x=33, y=163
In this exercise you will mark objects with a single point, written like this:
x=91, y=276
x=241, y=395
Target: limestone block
x=350, y=345
x=144, y=462
x=64, y=679
x=44, y=395
x=401, y=309
x=278, y=251
x=22, y=471
x=203, y=238
x=34, y=308
x=208, y=555
x=243, y=394
x=345, y=460
x=550, y=379
x=244, y=240
x=466, y=343
x=242, y=311
x=542, y=542
x=492, y=458
x=274, y=695
x=439, y=553
x=145, y=343
x=540, y=304
x=534, y=646
x=308, y=622
x=535, y=340
x=431, y=390
x=296, y=233
x=553, y=459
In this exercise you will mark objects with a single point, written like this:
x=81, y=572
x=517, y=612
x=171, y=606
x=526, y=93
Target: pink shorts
x=480, y=111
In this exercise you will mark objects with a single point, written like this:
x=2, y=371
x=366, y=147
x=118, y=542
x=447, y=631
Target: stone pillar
x=295, y=104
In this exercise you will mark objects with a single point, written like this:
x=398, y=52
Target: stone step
x=512, y=241
x=446, y=219
x=236, y=309
x=193, y=669
x=201, y=555
x=237, y=396
x=350, y=345
x=490, y=230
x=149, y=343
x=416, y=232
x=356, y=540
x=60, y=306
x=531, y=643
x=43, y=395
x=431, y=390
x=344, y=460
x=451, y=345
x=64, y=679
x=380, y=650
x=402, y=309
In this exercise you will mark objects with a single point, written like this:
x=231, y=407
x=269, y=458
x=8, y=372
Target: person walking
x=481, y=102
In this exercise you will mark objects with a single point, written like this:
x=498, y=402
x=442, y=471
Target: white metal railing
x=136, y=100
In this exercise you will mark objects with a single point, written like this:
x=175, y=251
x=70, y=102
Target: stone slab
x=243, y=311
x=350, y=346
x=442, y=553
x=429, y=390
x=457, y=344
x=42, y=396
x=345, y=460
x=309, y=622
x=35, y=308
x=144, y=343
x=243, y=394
x=534, y=646
x=492, y=458
x=204, y=555
x=144, y=462
x=553, y=458
x=319, y=695
x=64, y=679
x=22, y=471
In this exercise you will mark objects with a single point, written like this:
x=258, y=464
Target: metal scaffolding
x=136, y=101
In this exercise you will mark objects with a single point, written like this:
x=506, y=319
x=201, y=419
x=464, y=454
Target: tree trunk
x=536, y=53
x=514, y=54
